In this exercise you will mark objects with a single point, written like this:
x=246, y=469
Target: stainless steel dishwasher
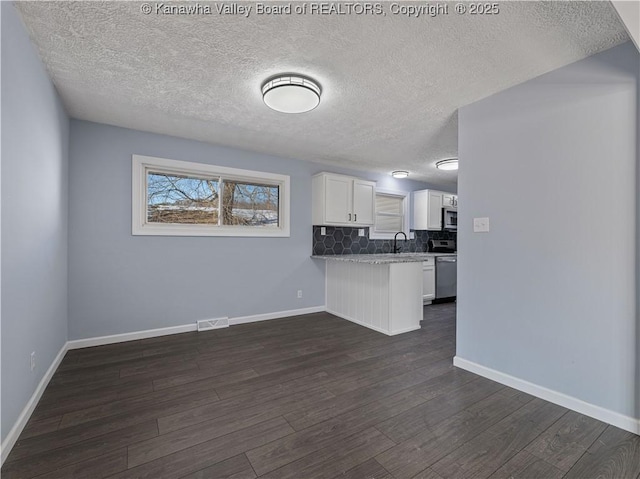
x=446, y=276
x=446, y=268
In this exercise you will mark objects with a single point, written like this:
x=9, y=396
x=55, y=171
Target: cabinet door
x=363, y=202
x=420, y=210
x=434, y=215
x=428, y=282
x=337, y=199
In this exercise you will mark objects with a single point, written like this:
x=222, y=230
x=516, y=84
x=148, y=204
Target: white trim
x=389, y=236
x=375, y=328
x=185, y=328
x=22, y=420
x=139, y=225
x=24, y=416
x=121, y=338
x=280, y=314
x=405, y=330
x=597, y=412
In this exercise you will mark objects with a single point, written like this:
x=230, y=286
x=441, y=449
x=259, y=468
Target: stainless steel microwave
x=449, y=219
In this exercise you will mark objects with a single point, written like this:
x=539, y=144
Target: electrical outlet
x=299, y=293
x=33, y=360
x=323, y=231
x=361, y=232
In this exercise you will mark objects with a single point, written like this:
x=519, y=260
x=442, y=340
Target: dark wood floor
x=305, y=397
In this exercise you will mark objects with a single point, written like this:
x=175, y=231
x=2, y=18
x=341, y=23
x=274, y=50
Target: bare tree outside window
x=182, y=199
x=190, y=200
x=250, y=204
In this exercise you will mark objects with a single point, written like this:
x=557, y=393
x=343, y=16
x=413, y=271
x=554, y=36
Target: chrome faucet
x=396, y=249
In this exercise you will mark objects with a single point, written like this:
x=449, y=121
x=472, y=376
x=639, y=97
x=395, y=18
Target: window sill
x=191, y=230
x=389, y=236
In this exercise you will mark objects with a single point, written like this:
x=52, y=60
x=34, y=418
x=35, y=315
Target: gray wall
x=121, y=283
x=35, y=133
x=549, y=295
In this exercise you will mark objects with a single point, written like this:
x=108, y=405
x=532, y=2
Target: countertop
x=386, y=258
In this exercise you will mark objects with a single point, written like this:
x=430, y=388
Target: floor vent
x=208, y=324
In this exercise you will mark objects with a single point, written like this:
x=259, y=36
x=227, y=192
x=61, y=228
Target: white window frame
x=406, y=204
x=144, y=164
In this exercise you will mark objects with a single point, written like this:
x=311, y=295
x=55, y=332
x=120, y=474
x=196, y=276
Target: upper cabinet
x=450, y=201
x=364, y=200
x=341, y=200
x=427, y=210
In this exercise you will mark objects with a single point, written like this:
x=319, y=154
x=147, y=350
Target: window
x=179, y=198
x=392, y=214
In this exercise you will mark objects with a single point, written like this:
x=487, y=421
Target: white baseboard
x=22, y=420
x=406, y=330
x=375, y=328
x=280, y=314
x=120, y=338
x=185, y=328
x=360, y=323
x=627, y=423
x=25, y=415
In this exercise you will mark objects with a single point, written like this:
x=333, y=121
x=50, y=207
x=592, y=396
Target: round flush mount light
x=291, y=93
x=400, y=174
x=450, y=164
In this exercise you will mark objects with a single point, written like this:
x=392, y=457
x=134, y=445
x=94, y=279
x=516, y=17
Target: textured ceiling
x=391, y=84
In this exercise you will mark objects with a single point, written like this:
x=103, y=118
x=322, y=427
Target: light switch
x=480, y=225
x=361, y=232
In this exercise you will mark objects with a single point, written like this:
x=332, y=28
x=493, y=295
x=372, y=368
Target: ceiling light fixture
x=400, y=174
x=450, y=164
x=291, y=93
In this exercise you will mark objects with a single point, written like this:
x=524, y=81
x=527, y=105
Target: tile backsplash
x=345, y=240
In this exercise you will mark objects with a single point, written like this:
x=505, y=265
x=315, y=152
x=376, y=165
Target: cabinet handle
x=355, y=217
x=349, y=216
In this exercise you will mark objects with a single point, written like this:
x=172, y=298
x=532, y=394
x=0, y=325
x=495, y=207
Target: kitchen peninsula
x=380, y=291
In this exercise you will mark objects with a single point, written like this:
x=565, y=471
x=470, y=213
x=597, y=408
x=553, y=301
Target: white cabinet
x=382, y=297
x=364, y=198
x=336, y=193
x=427, y=210
x=450, y=201
x=428, y=280
x=342, y=200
